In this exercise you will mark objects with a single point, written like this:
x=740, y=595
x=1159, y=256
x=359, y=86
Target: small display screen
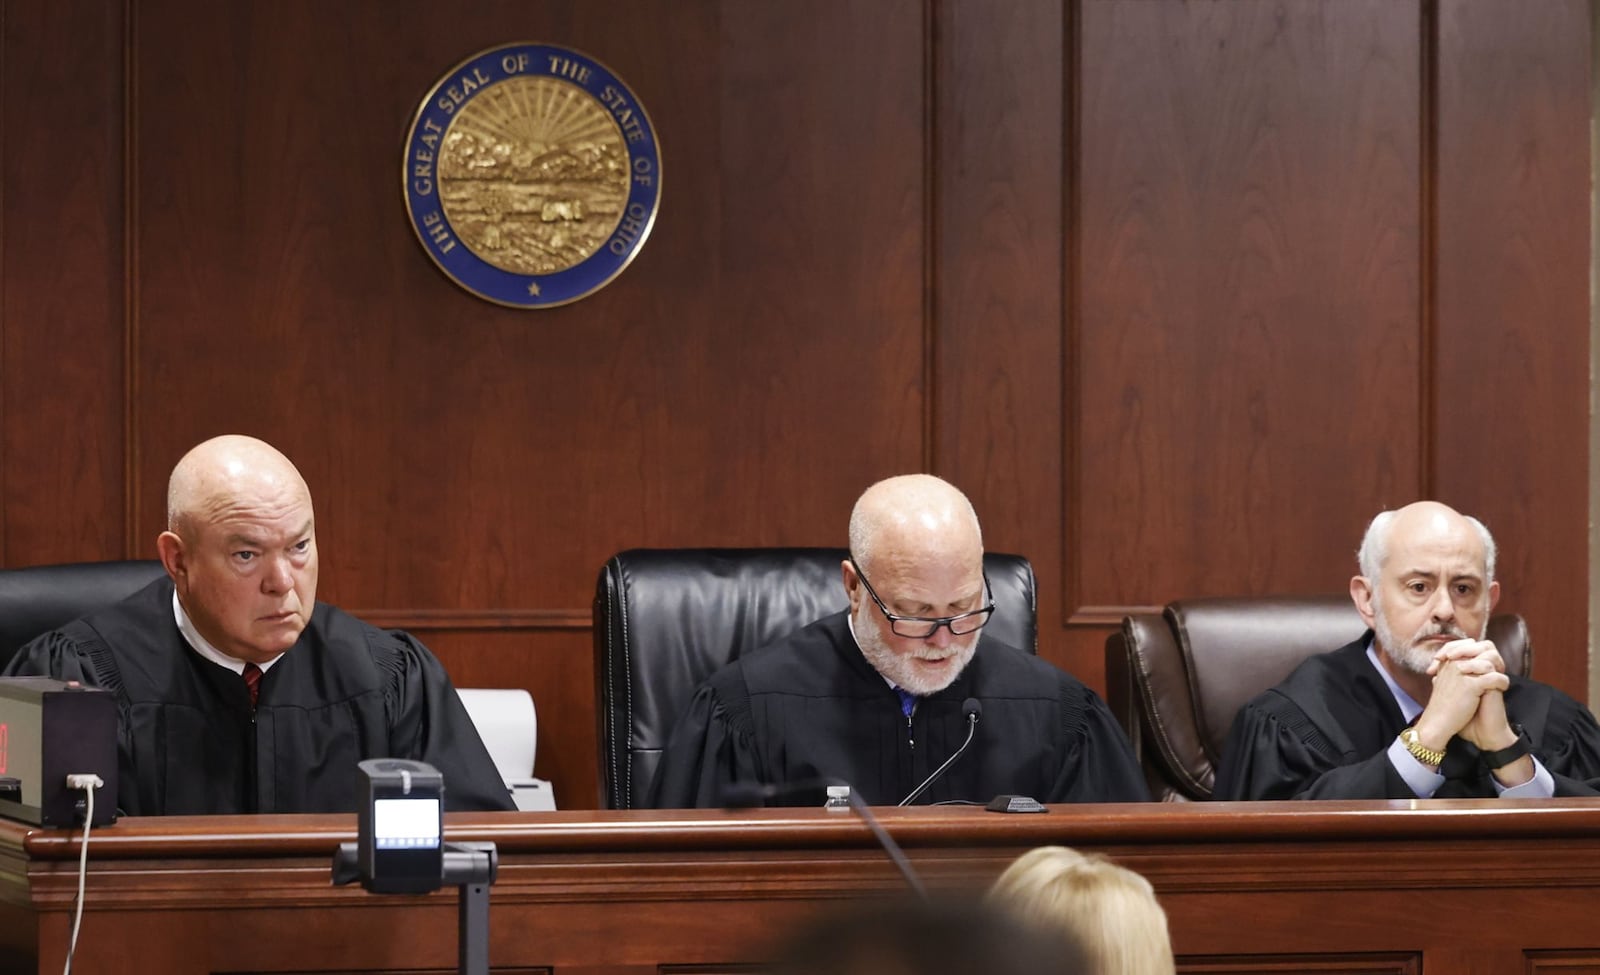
x=20, y=755
x=405, y=824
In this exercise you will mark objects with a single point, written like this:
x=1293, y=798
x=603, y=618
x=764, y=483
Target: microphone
x=748, y=795
x=973, y=711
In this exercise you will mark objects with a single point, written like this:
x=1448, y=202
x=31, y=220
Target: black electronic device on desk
x=50, y=729
x=400, y=827
x=400, y=849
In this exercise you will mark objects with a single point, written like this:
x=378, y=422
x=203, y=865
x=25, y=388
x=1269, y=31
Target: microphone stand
x=471, y=867
x=972, y=728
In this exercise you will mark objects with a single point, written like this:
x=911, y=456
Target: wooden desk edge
x=601, y=831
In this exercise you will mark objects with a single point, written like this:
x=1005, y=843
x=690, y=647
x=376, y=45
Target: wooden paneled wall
x=1180, y=293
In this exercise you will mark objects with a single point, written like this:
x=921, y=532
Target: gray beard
x=899, y=670
x=1412, y=656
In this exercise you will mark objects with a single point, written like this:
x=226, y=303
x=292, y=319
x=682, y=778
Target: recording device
x=50, y=729
x=400, y=827
x=972, y=710
x=748, y=795
x=400, y=849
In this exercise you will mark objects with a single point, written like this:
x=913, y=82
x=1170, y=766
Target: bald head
x=915, y=516
x=1422, y=520
x=214, y=476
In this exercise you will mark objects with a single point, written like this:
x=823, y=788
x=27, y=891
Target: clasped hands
x=1469, y=683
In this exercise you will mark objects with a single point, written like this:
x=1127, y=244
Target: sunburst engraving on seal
x=532, y=175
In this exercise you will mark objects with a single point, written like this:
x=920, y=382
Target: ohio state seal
x=532, y=175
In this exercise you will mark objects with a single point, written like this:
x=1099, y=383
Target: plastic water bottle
x=838, y=798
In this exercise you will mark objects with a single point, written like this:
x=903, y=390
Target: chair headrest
x=38, y=599
x=1236, y=648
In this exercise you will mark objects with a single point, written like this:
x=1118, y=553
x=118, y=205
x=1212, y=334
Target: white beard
x=900, y=669
x=1412, y=656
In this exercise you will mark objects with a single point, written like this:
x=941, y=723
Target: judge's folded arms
x=874, y=695
x=1420, y=706
x=236, y=691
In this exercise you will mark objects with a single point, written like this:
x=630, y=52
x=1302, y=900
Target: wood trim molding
x=1105, y=615
x=425, y=620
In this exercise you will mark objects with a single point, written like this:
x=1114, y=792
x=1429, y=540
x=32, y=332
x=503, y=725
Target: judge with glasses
x=881, y=695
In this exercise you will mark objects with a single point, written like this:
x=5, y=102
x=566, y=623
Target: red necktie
x=252, y=680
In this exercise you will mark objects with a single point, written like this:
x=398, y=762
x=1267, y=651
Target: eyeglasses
x=923, y=627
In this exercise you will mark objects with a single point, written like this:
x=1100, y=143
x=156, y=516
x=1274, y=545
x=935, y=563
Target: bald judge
x=874, y=695
x=237, y=692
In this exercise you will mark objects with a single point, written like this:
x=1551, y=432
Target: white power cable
x=88, y=783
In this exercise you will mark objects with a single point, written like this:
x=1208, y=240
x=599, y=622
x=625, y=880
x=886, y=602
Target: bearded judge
x=1420, y=706
x=238, y=692
x=874, y=695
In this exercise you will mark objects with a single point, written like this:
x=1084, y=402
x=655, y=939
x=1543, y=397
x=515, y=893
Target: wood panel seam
x=1071, y=137
x=130, y=284
x=930, y=235
x=5, y=491
x=1427, y=240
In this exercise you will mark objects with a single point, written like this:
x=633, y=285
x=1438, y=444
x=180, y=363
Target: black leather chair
x=666, y=619
x=38, y=599
x=1176, y=679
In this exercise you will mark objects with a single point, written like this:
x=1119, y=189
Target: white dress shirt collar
x=203, y=647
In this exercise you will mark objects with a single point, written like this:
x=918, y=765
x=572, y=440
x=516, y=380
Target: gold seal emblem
x=532, y=175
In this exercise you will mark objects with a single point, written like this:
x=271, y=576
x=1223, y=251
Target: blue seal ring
x=424, y=184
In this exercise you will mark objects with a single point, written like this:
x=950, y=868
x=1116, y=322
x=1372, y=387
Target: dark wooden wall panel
x=521, y=449
x=821, y=337
x=1509, y=389
x=1246, y=315
x=998, y=281
x=61, y=281
x=1180, y=293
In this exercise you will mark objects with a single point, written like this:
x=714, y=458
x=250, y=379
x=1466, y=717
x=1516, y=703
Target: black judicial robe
x=812, y=706
x=1324, y=733
x=188, y=742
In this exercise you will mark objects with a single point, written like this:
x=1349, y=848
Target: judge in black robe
x=1325, y=732
x=190, y=743
x=811, y=706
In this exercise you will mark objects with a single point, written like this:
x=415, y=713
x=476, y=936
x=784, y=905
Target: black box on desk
x=50, y=729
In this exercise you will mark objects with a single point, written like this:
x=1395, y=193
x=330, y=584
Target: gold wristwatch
x=1418, y=750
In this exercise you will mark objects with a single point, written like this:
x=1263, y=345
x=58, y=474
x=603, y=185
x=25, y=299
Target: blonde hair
x=1110, y=910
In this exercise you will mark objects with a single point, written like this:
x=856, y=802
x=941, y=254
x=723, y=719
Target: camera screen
x=405, y=824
